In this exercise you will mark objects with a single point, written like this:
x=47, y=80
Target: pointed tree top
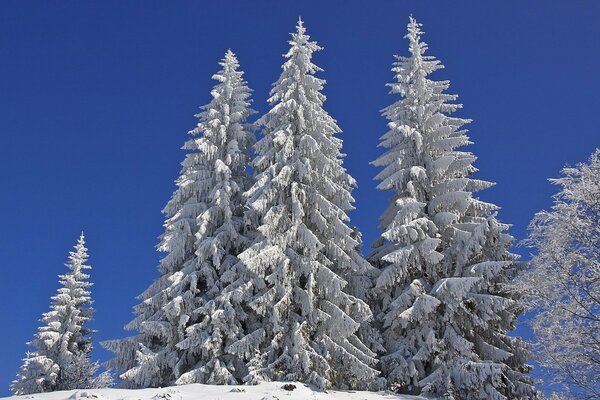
x=414, y=36
x=414, y=29
x=301, y=39
x=229, y=61
x=230, y=55
x=300, y=29
x=78, y=255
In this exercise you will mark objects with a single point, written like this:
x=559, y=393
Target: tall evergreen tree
x=305, y=252
x=219, y=318
x=443, y=255
x=63, y=344
x=187, y=318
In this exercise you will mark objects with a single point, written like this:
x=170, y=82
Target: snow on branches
x=304, y=253
x=192, y=313
x=443, y=255
x=562, y=285
x=61, y=360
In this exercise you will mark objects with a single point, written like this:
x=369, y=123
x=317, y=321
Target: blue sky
x=96, y=99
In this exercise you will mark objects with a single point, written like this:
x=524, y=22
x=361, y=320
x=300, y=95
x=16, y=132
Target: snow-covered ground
x=264, y=391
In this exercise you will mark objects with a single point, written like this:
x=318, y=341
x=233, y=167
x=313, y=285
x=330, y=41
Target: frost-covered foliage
x=218, y=319
x=443, y=255
x=38, y=374
x=562, y=285
x=305, y=252
x=191, y=314
x=63, y=344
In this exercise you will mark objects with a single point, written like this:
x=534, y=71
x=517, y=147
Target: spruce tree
x=190, y=314
x=443, y=255
x=304, y=252
x=61, y=360
x=219, y=318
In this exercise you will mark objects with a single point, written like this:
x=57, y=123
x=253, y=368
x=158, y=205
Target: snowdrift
x=264, y=391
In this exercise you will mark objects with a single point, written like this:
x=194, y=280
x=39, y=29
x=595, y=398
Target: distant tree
x=443, y=255
x=61, y=360
x=562, y=285
x=304, y=253
x=190, y=315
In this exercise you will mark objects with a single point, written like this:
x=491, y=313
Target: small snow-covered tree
x=192, y=312
x=305, y=252
x=37, y=374
x=562, y=285
x=443, y=256
x=61, y=360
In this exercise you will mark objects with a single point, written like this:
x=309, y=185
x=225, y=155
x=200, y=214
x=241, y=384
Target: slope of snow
x=263, y=391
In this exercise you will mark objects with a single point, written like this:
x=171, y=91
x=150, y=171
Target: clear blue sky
x=96, y=99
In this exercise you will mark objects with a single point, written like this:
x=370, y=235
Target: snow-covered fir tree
x=191, y=314
x=304, y=254
x=61, y=360
x=222, y=234
x=441, y=301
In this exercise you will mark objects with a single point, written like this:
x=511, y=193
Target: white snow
x=443, y=256
x=263, y=391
